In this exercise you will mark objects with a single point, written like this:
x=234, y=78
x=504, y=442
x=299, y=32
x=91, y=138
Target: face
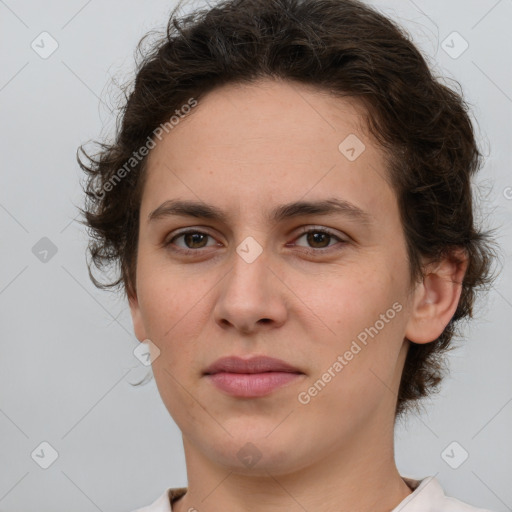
x=325, y=291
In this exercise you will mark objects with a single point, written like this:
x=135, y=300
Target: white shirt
x=428, y=496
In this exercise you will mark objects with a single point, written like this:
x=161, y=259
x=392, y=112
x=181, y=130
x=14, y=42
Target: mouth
x=251, y=378
x=251, y=385
x=255, y=364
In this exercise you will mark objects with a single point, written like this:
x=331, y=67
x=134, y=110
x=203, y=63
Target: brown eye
x=194, y=241
x=319, y=239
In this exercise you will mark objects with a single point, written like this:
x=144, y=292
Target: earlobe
x=436, y=298
x=138, y=324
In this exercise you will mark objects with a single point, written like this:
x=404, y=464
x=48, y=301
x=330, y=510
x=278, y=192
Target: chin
x=259, y=454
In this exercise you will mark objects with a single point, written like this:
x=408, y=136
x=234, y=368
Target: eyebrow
x=201, y=210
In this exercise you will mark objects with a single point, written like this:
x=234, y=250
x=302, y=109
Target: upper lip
x=255, y=364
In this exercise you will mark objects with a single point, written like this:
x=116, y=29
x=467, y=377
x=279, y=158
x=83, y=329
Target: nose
x=251, y=296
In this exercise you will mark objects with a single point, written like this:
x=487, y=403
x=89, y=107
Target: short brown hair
x=340, y=46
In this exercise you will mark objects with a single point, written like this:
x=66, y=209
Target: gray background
x=66, y=348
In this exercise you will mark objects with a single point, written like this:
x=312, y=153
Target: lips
x=255, y=364
x=251, y=378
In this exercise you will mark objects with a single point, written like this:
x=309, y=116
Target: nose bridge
x=249, y=270
x=250, y=291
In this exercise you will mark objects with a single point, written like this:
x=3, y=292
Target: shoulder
x=163, y=502
x=429, y=496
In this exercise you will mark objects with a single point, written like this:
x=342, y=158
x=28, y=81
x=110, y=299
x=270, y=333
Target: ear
x=138, y=324
x=436, y=298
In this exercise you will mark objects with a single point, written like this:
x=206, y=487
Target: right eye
x=193, y=239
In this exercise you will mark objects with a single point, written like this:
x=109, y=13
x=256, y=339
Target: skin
x=247, y=149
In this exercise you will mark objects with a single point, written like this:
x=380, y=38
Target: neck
x=359, y=475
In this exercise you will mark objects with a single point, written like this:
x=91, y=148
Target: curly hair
x=349, y=50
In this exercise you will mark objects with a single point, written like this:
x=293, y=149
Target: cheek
x=173, y=315
x=349, y=300
x=166, y=297
x=174, y=322
x=361, y=332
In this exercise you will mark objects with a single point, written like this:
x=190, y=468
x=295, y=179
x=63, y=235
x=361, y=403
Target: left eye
x=317, y=237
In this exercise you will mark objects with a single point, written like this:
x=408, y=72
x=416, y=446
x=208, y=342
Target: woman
x=289, y=203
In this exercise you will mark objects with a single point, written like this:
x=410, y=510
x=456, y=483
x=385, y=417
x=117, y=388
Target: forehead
x=257, y=145
x=260, y=113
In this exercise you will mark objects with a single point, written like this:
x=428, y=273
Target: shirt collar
x=426, y=497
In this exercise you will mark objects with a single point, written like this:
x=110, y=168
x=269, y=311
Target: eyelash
x=303, y=232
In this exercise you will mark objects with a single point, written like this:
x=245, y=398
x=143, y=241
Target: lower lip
x=249, y=385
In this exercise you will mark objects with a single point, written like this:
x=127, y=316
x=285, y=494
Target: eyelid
x=322, y=229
